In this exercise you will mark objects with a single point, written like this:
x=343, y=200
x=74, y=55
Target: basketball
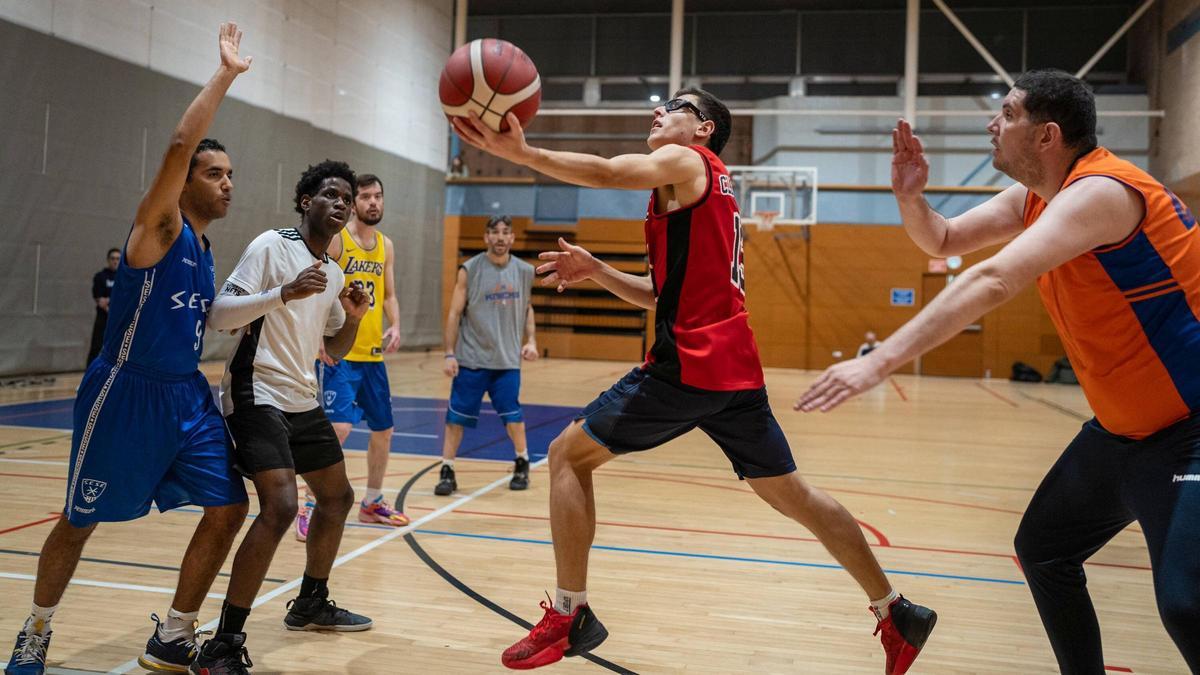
x=492, y=77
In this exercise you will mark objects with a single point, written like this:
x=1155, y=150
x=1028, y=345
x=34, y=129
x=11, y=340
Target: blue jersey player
x=146, y=427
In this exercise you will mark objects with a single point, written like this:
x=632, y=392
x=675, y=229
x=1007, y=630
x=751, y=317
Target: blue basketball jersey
x=156, y=315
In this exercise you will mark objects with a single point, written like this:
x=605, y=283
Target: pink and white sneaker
x=302, y=519
x=379, y=511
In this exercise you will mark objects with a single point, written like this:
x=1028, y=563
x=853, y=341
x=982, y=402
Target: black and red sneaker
x=556, y=635
x=905, y=631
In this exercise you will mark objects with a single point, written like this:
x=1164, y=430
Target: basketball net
x=766, y=219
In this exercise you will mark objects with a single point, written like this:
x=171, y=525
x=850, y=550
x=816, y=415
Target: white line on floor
x=361, y=550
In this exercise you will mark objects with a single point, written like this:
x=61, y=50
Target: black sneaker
x=321, y=613
x=169, y=657
x=446, y=484
x=520, y=478
x=224, y=654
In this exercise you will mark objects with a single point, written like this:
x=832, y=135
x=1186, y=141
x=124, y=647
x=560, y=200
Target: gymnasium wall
x=1175, y=87
x=81, y=134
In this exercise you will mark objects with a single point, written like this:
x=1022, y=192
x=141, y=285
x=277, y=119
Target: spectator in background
x=458, y=168
x=867, y=347
x=102, y=285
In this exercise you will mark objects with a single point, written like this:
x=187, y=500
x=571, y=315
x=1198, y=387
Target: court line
x=997, y=394
x=33, y=440
x=728, y=558
x=1054, y=406
x=472, y=593
x=32, y=461
x=780, y=537
x=56, y=516
x=361, y=550
x=395, y=433
x=108, y=584
x=26, y=426
x=32, y=475
x=898, y=388
x=121, y=563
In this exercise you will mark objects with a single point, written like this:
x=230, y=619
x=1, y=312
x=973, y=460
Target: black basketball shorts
x=266, y=437
x=641, y=412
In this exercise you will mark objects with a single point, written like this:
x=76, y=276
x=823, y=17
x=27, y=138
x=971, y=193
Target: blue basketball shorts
x=641, y=412
x=141, y=439
x=354, y=390
x=466, y=395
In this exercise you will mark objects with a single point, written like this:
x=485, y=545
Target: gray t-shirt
x=493, y=322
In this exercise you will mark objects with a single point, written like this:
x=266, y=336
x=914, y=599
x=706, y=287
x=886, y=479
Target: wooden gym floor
x=691, y=572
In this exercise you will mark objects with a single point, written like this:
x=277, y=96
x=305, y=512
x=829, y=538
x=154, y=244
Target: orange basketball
x=492, y=77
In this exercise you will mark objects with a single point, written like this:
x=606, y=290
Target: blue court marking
x=728, y=558
x=674, y=554
x=420, y=425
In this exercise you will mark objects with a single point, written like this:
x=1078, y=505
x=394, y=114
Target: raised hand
x=910, y=169
x=355, y=300
x=230, y=38
x=840, y=382
x=570, y=265
x=310, y=281
x=508, y=145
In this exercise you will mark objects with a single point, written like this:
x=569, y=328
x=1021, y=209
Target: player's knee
x=228, y=517
x=1179, y=609
x=278, y=512
x=337, y=500
x=74, y=533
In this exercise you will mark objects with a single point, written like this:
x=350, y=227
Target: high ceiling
x=520, y=7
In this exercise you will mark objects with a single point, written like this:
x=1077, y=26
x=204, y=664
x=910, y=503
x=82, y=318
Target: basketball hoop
x=766, y=219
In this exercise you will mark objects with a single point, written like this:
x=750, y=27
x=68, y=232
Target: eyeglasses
x=677, y=104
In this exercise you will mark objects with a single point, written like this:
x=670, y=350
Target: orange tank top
x=1127, y=313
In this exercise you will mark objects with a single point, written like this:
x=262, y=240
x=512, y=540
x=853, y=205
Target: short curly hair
x=316, y=174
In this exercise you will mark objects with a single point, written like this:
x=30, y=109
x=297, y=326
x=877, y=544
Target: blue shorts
x=641, y=412
x=353, y=390
x=466, y=395
x=140, y=439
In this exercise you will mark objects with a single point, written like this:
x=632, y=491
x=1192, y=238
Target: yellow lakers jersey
x=365, y=265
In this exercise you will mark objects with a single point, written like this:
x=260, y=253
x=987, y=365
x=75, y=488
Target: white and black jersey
x=273, y=363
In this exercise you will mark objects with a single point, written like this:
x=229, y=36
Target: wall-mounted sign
x=938, y=266
x=904, y=297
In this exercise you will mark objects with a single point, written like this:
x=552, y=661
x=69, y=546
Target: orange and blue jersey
x=1127, y=313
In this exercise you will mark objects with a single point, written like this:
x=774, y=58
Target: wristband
x=451, y=356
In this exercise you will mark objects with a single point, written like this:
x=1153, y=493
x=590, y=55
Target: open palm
x=230, y=39
x=910, y=169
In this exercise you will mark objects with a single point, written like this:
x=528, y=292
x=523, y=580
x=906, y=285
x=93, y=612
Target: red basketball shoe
x=555, y=636
x=904, y=634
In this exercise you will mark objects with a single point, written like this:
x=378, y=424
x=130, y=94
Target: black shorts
x=641, y=412
x=265, y=437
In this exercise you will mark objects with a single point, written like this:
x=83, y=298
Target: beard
x=366, y=220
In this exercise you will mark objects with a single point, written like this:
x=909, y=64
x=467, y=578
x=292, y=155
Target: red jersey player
x=702, y=371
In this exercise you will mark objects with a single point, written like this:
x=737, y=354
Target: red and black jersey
x=702, y=331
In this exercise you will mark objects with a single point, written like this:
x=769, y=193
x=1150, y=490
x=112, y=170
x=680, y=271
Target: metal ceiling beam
x=966, y=32
x=1087, y=67
x=676, y=71
x=912, y=35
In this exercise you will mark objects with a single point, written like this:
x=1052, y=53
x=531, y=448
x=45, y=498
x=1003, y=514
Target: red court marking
x=36, y=522
x=645, y=475
x=31, y=475
x=1119, y=669
x=997, y=395
x=898, y=388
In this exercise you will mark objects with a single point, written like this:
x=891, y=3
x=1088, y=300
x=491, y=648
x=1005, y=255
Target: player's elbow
x=995, y=284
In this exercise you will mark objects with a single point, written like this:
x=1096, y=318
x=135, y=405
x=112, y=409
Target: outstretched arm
x=157, y=222
x=1091, y=212
x=997, y=220
x=669, y=165
x=574, y=263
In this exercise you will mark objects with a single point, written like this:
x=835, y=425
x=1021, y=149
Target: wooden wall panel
x=807, y=297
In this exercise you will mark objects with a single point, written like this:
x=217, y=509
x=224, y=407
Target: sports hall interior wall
x=71, y=154
x=1175, y=87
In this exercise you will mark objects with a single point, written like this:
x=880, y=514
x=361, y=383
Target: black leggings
x=1100, y=484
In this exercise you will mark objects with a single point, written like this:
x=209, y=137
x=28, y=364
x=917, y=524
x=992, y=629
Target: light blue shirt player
x=147, y=429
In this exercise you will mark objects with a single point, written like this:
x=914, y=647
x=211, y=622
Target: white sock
x=566, y=602
x=178, y=624
x=373, y=495
x=524, y=454
x=39, y=619
x=882, y=607
x=448, y=462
